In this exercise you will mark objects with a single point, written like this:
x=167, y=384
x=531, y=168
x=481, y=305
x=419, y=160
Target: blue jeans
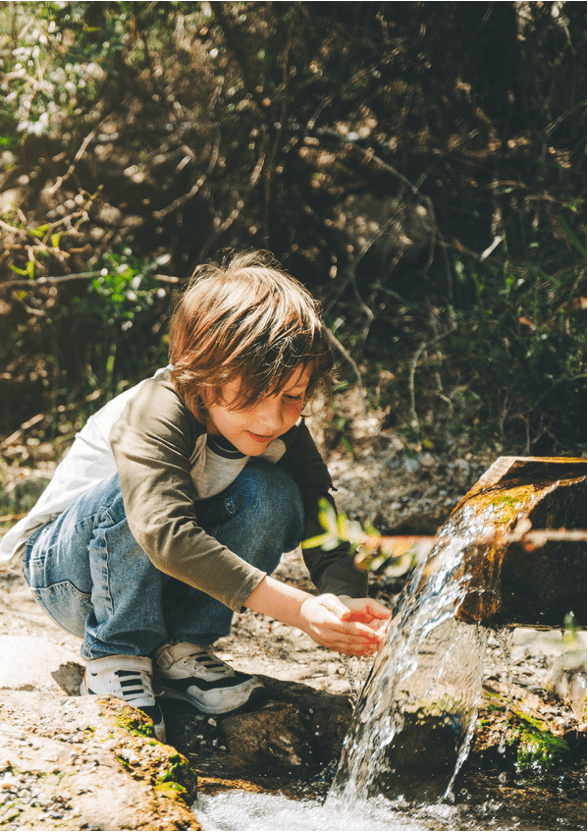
x=88, y=572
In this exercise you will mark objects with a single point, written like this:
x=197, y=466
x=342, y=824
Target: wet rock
x=275, y=733
x=518, y=581
x=326, y=716
x=118, y=777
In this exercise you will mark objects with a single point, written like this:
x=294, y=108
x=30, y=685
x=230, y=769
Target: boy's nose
x=269, y=414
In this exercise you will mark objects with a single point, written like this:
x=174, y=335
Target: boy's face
x=252, y=429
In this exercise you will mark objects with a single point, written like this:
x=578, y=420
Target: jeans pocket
x=66, y=605
x=56, y=593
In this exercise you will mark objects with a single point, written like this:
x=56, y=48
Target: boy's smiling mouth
x=260, y=438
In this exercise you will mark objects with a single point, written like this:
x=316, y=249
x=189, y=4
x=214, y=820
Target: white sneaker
x=194, y=674
x=129, y=678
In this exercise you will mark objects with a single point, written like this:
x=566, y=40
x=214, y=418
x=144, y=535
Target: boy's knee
x=273, y=492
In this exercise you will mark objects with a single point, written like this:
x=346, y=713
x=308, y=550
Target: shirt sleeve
x=332, y=571
x=153, y=442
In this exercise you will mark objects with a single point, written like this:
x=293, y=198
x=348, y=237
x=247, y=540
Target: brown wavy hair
x=246, y=319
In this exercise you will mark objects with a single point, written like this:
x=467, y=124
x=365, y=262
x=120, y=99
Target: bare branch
x=82, y=149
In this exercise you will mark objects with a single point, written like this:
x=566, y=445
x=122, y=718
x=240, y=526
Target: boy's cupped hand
x=354, y=626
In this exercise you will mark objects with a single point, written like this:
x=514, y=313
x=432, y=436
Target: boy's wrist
x=278, y=600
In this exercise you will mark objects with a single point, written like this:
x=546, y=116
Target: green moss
x=536, y=748
x=178, y=779
x=133, y=724
x=535, y=723
x=123, y=762
x=12, y=817
x=540, y=749
x=177, y=767
x=170, y=788
x=177, y=770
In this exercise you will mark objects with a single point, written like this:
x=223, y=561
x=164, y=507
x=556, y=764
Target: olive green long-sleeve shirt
x=166, y=462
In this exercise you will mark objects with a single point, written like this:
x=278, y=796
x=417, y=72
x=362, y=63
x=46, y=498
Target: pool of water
x=483, y=802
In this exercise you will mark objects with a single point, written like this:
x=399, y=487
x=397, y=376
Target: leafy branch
x=372, y=549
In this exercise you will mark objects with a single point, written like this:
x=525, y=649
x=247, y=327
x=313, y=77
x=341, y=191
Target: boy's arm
x=152, y=442
x=334, y=571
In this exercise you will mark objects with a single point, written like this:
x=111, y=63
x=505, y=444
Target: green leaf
x=325, y=541
x=327, y=517
x=349, y=530
x=400, y=566
x=40, y=231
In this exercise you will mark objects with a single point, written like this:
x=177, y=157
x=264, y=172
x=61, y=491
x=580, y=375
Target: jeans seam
x=39, y=590
x=106, y=562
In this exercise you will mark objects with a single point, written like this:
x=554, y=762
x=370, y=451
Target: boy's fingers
x=381, y=612
x=366, y=610
x=357, y=630
x=337, y=607
x=374, y=609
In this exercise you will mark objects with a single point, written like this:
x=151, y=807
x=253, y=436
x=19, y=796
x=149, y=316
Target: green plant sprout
x=371, y=549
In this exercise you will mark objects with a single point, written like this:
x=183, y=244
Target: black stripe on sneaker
x=183, y=684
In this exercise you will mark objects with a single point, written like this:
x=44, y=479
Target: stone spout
x=509, y=578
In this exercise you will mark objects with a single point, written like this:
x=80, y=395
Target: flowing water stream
x=416, y=715
x=415, y=718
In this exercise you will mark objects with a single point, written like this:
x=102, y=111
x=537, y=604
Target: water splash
x=240, y=811
x=415, y=718
x=357, y=670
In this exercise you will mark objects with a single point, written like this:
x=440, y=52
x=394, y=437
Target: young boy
x=178, y=498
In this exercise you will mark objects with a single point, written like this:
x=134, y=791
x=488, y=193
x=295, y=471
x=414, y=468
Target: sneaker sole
x=256, y=695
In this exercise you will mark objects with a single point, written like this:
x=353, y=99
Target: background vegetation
x=420, y=166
